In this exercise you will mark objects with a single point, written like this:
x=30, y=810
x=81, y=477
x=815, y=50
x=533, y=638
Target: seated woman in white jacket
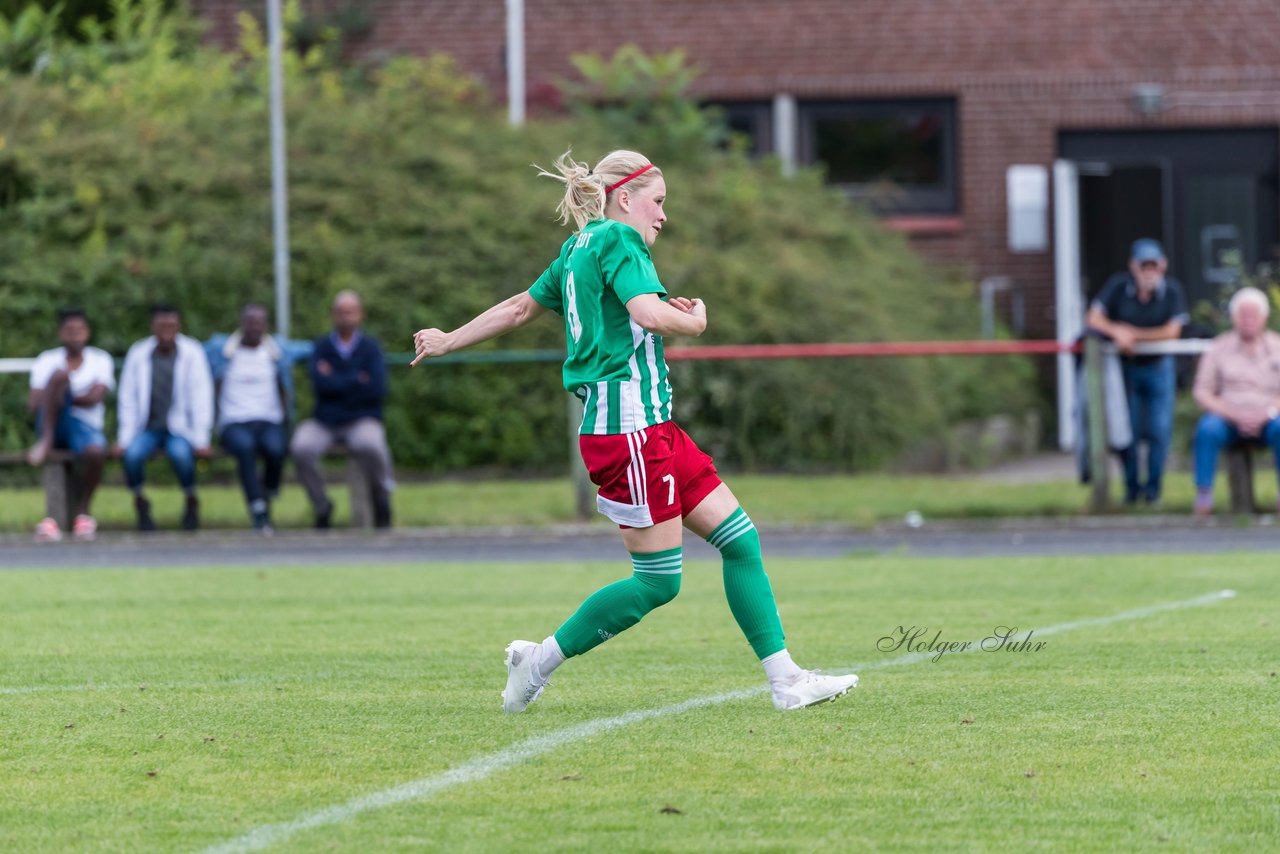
x=165, y=401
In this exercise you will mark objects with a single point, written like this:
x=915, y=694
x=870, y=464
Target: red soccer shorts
x=648, y=476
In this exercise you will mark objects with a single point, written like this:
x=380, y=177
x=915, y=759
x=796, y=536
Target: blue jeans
x=1150, y=391
x=179, y=451
x=246, y=441
x=70, y=433
x=1214, y=433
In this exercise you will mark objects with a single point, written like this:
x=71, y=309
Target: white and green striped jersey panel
x=613, y=365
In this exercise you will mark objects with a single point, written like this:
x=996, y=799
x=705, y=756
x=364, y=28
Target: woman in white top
x=251, y=398
x=68, y=387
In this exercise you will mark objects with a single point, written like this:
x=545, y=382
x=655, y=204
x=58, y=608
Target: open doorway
x=1211, y=196
x=1119, y=203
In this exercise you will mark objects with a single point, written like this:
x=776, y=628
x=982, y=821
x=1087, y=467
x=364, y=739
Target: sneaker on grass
x=47, y=531
x=811, y=688
x=523, y=683
x=85, y=528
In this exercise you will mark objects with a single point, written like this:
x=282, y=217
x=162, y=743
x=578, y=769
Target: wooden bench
x=1239, y=465
x=62, y=486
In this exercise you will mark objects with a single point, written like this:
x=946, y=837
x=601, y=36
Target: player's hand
x=698, y=311
x=428, y=343
x=323, y=368
x=680, y=303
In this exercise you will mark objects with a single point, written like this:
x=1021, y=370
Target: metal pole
x=784, y=131
x=1067, y=290
x=279, y=198
x=1099, y=473
x=515, y=62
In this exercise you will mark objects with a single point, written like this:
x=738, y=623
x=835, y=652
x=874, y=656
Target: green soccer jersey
x=614, y=366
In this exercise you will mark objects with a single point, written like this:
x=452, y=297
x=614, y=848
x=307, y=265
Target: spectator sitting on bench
x=253, y=387
x=165, y=400
x=349, y=376
x=1238, y=387
x=68, y=387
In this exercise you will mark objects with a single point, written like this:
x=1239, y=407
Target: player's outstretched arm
x=507, y=315
x=679, y=316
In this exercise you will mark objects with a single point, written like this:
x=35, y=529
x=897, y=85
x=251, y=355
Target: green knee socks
x=745, y=584
x=656, y=581
x=616, y=608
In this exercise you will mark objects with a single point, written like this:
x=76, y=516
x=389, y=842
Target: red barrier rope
x=869, y=348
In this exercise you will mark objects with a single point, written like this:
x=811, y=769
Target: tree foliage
x=134, y=169
x=26, y=37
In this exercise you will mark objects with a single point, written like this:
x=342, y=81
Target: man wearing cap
x=1238, y=387
x=1138, y=306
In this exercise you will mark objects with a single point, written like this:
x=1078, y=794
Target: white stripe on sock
x=732, y=532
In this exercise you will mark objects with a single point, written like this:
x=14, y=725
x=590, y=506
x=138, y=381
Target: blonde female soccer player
x=652, y=478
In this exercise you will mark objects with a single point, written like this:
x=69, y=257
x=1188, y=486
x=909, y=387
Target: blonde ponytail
x=584, y=192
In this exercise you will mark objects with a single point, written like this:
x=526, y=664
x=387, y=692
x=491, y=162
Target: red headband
x=636, y=174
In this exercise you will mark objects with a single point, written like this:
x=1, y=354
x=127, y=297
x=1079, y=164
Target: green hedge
x=131, y=177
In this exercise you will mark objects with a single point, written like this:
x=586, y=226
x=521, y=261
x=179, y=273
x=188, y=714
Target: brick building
x=1132, y=117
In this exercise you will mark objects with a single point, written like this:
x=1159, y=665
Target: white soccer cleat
x=811, y=688
x=522, y=686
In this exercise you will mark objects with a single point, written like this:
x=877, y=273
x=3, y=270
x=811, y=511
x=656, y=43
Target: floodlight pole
x=279, y=197
x=515, y=62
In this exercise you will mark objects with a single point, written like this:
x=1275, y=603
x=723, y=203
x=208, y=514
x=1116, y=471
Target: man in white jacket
x=165, y=401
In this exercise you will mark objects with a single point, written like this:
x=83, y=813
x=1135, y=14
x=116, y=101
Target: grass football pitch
x=357, y=709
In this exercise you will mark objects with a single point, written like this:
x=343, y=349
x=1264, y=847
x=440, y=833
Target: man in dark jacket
x=349, y=377
x=1139, y=306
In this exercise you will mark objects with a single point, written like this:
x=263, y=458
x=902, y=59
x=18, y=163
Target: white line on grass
x=143, y=685
x=132, y=686
x=267, y=835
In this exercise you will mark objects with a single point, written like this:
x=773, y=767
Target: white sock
x=547, y=658
x=780, y=669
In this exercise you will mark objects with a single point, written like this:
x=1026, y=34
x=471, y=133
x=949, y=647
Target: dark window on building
x=900, y=156
x=751, y=119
